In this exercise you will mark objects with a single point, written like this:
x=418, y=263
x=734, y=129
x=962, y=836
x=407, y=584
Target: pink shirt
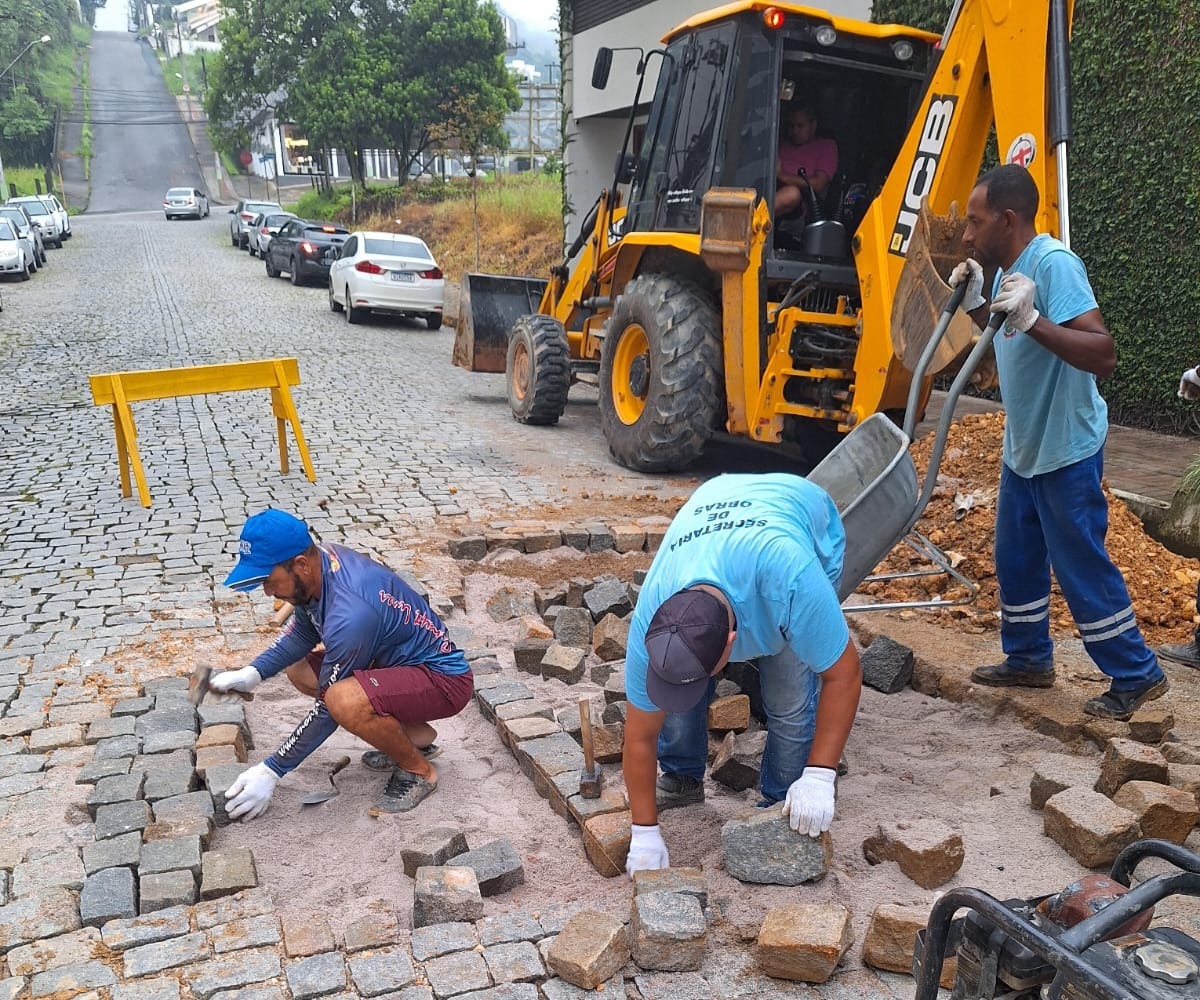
x=819, y=155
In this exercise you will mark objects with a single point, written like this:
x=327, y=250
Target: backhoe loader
x=695, y=311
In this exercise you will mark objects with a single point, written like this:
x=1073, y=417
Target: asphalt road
x=141, y=146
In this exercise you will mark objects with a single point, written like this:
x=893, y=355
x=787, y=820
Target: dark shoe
x=1120, y=705
x=404, y=791
x=1002, y=675
x=377, y=760
x=675, y=790
x=1187, y=653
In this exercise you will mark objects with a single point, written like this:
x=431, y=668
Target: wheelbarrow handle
x=918, y=374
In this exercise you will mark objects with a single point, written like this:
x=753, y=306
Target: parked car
x=185, y=202
x=60, y=213
x=243, y=214
x=14, y=255
x=264, y=227
x=25, y=228
x=388, y=272
x=302, y=249
x=45, y=220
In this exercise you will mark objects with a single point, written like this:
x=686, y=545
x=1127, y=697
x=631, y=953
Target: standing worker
x=1187, y=653
x=1051, y=511
x=388, y=667
x=748, y=570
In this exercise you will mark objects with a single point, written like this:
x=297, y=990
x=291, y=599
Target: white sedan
x=14, y=257
x=387, y=272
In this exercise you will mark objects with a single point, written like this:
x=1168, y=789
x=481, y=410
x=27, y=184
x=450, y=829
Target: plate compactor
x=1091, y=941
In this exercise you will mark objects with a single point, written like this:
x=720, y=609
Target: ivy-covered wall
x=1135, y=187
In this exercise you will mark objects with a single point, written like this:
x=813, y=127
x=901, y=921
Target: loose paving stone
x=111, y=790
x=196, y=826
x=432, y=847
x=120, y=935
x=161, y=891
x=667, y=932
x=252, y=932
x=677, y=986
x=45, y=913
x=372, y=931
x=387, y=969
x=147, y=989
x=513, y=962
x=62, y=868
x=219, y=779
x=91, y=773
x=316, y=976
x=505, y=991
x=118, y=746
x=183, y=739
x=133, y=706
x=252, y=993
x=72, y=978
x=169, y=782
x=309, y=936
x=66, y=949
x=108, y=895
x=171, y=954
x=590, y=949
x=249, y=903
x=446, y=894
x=186, y=806
x=169, y=855
x=762, y=848
x=103, y=729
x=173, y=718
x=507, y=927
x=497, y=866
x=227, y=871
x=457, y=973
x=148, y=763
x=232, y=972
x=19, y=784
x=124, y=817
x=560, y=989
x=441, y=939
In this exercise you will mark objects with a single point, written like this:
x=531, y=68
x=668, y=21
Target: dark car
x=301, y=249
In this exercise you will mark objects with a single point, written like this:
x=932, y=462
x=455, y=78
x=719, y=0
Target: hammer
x=198, y=685
x=591, y=780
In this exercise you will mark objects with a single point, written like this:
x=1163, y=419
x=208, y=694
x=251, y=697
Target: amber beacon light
x=773, y=17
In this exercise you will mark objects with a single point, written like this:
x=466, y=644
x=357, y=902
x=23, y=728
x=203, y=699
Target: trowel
x=316, y=798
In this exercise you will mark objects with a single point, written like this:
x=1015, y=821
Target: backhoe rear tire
x=538, y=370
x=662, y=388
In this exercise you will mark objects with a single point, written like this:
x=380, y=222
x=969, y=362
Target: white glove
x=647, y=852
x=809, y=802
x=1016, y=298
x=1189, y=384
x=971, y=272
x=249, y=796
x=221, y=686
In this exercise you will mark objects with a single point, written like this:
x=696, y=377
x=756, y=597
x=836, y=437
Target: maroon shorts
x=415, y=693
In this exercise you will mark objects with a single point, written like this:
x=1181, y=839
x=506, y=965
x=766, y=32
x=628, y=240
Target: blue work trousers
x=789, y=694
x=1058, y=520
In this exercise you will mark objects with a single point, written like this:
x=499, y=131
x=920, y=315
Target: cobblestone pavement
x=403, y=444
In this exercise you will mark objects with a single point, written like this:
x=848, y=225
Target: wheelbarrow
x=872, y=479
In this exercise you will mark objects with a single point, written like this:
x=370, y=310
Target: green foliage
x=322, y=205
x=1135, y=198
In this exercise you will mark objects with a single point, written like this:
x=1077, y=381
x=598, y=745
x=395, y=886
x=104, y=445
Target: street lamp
x=36, y=41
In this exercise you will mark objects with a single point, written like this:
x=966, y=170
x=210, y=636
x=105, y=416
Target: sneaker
x=1187, y=653
x=404, y=791
x=1002, y=675
x=1120, y=705
x=675, y=790
x=377, y=760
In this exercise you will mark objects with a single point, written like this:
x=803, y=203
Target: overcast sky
x=539, y=13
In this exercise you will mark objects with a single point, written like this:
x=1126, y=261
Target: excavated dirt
x=1161, y=583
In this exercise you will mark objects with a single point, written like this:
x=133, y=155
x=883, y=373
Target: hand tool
x=591, y=780
x=198, y=685
x=316, y=798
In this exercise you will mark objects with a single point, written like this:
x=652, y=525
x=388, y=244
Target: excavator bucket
x=490, y=305
x=935, y=248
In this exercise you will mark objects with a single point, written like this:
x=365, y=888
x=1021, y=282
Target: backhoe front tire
x=538, y=370
x=662, y=387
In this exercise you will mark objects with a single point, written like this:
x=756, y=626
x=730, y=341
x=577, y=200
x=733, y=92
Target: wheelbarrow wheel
x=662, y=391
x=538, y=370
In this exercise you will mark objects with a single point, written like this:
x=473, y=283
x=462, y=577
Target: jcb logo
x=924, y=169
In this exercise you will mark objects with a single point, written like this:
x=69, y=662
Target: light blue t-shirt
x=773, y=545
x=1054, y=414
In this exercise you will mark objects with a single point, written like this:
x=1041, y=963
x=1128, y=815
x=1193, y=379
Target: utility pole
x=187, y=94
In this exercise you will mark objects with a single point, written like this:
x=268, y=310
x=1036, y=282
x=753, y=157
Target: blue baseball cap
x=267, y=539
x=684, y=643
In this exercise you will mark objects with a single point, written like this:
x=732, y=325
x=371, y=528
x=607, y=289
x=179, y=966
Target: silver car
x=243, y=214
x=15, y=257
x=185, y=203
x=45, y=220
x=25, y=229
x=60, y=213
x=263, y=229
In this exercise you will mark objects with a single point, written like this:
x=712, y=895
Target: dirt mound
x=1161, y=583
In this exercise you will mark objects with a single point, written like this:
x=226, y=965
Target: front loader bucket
x=490, y=305
x=921, y=294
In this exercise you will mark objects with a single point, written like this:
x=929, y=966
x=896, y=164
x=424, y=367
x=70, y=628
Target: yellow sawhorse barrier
x=119, y=389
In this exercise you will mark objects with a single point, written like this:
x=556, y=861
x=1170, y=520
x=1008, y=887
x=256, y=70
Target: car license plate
x=402, y=276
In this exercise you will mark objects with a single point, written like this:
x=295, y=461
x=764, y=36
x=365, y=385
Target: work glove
x=647, y=852
x=1016, y=298
x=221, y=686
x=249, y=796
x=1189, y=384
x=971, y=272
x=809, y=802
